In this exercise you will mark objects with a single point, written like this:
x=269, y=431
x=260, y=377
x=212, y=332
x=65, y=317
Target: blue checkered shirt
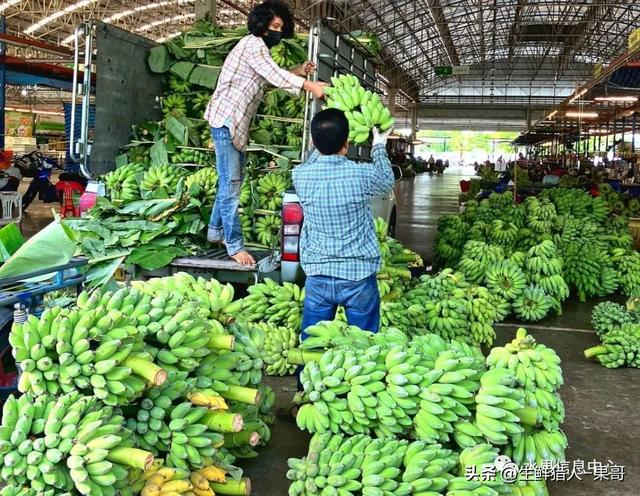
x=338, y=235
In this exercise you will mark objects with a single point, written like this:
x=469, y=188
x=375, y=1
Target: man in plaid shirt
x=338, y=247
x=247, y=71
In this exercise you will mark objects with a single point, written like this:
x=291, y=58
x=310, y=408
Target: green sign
x=444, y=70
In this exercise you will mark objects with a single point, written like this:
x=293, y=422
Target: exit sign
x=452, y=70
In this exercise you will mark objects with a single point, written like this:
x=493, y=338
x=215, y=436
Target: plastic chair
x=66, y=189
x=10, y=200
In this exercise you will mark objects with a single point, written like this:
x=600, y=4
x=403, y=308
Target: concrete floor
x=601, y=404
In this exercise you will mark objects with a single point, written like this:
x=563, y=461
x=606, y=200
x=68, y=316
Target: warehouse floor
x=602, y=418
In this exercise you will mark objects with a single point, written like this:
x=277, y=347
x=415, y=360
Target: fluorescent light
x=578, y=95
x=168, y=37
x=126, y=13
x=165, y=20
x=583, y=115
x=60, y=13
x=417, y=142
x=621, y=98
x=7, y=4
x=552, y=114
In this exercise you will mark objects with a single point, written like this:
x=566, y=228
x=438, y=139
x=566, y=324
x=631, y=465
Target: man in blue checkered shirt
x=338, y=247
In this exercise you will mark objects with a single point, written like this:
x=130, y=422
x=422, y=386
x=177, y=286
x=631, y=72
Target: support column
x=414, y=120
x=633, y=133
x=3, y=83
x=206, y=9
x=393, y=93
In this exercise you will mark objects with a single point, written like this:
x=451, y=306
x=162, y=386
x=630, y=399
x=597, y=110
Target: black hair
x=262, y=15
x=329, y=130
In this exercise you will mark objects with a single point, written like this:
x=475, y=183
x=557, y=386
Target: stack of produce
x=277, y=304
x=428, y=389
x=205, y=406
x=620, y=203
x=363, y=108
x=592, y=250
x=618, y=329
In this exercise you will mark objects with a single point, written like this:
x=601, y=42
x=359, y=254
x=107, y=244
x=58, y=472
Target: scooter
x=38, y=167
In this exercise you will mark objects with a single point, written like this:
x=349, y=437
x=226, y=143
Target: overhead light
x=8, y=4
x=168, y=37
x=552, y=114
x=165, y=20
x=578, y=95
x=582, y=115
x=24, y=92
x=56, y=15
x=394, y=136
x=417, y=142
x=620, y=98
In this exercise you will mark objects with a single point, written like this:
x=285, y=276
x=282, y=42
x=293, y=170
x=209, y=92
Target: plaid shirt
x=338, y=235
x=245, y=74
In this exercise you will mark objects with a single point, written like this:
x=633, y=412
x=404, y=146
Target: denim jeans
x=360, y=299
x=225, y=219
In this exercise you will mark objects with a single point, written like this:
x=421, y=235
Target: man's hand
x=381, y=139
x=316, y=88
x=304, y=69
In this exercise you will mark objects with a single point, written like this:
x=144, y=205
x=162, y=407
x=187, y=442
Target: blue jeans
x=360, y=299
x=225, y=219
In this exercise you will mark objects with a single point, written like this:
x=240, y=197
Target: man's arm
x=264, y=65
x=380, y=178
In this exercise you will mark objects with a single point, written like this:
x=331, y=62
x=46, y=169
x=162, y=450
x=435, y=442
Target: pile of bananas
x=203, y=184
x=362, y=465
x=288, y=53
x=192, y=156
x=161, y=178
x=544, y=269
x=532, y=304
x=279, y=103
x=139, y=155
x=122, y=183
x=363, y=108
x=66, y=444
x=536, y=370
x=271, y=302
x=174, y=104
x=271, y=188
x=419, y=388
x=627, y=268
x=478, y=460
x=199, y=103
x=93, y=348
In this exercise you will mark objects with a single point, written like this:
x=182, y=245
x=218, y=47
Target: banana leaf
x=182, y=69
x=100, y=272
x=205, y=75
x=158, y=153
x=159, y=59
x=153, y=256
x=52, y=246
x=10, y=240
x=178, y=127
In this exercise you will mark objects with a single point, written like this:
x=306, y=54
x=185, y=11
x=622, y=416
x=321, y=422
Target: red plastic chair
x=65, y=191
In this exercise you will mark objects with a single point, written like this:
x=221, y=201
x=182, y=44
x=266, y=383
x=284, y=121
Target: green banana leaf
x=10, y=240
x=153, y=256
x=52, y=246
x=159, y=59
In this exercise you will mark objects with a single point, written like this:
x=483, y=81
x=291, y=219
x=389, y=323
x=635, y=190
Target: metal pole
x=633, y=133
x=3, y=83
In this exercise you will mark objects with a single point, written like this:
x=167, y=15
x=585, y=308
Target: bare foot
x=243, y=258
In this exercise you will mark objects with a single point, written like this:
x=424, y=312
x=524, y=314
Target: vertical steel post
x=3, y=83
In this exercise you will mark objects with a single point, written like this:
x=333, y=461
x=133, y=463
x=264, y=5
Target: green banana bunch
x=203, y=184
x=66, y=443
x=503, y=233
x=277, y=304
x=629, y=272
x=362, y=465
x=531, y=488
x=537, y=446
x=619, y=348
x=178, y=85
x=161, y=177
x=288, y=53
x=270, y=188
x=215, y=300
x=532, y=304
x=245, y=193
x=139, y=155
x=278, y=342
x=200, y=101
x=609, y=316
x=506, y=279
x=175, y=104
x=192, y=156
x=267, y=229
x=477, y=257
x=363, y=108
x=475, y=460
x=122, y=183
x=94, y=347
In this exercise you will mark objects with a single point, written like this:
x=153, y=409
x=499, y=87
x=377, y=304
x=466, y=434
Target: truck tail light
x=292, y=217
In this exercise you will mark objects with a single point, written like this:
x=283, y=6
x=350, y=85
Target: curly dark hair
x=263, y=14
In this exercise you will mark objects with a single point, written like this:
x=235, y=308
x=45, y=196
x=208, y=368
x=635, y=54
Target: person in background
x=246, y=72
x=339, y=250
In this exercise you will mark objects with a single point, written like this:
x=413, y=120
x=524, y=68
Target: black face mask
x=272, y=38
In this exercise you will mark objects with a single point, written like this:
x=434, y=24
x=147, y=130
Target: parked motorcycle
x=38, y=167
